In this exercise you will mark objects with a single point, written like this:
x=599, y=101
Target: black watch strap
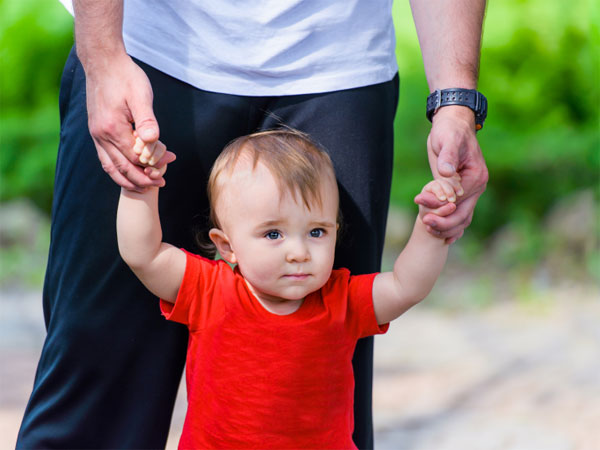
x=458, y=96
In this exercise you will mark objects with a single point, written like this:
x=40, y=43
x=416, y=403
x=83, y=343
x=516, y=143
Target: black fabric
x=111, y=364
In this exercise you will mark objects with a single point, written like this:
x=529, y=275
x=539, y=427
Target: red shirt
x=261, y=380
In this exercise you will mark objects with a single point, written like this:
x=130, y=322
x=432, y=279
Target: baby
x=271, y=340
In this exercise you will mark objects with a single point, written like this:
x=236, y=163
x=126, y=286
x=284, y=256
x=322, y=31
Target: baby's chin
x=290, y=295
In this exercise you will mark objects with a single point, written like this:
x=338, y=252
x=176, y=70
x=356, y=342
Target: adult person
x=200, y=74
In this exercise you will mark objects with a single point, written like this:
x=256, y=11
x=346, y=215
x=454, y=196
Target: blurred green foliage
x=35, y=38
x=539, y=70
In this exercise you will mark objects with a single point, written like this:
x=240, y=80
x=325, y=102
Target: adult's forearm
x=449, y=34
x=98, y=32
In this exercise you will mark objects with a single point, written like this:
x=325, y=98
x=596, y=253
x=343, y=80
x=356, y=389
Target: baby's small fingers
x=455, y=183
x=159, y=151
x=167, y=158
x=147, y=152
x=435, y=188
x=447, y=189
x=138, y=146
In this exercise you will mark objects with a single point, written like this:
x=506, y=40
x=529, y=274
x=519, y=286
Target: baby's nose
x=297, y=251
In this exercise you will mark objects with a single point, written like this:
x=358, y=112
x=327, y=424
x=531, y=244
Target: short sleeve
x=193, y=306
x=360, y=317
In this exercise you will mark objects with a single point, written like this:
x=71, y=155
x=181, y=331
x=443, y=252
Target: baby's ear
x=223, y=245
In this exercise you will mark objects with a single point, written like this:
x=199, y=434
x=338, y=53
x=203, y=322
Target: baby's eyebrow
x=276, y=222
x=324, y=224
x=270, y=223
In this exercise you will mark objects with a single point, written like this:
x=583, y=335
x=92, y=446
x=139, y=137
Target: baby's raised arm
x=420, y=263
x=158, y=265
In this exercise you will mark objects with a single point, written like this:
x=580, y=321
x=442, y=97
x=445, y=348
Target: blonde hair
x=298, y=165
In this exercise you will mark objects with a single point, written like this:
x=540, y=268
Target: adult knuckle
x=122, y=167
x=95, y=128
x=104, y=129
x=109, y=168
x=484, y=177
x=110, y=128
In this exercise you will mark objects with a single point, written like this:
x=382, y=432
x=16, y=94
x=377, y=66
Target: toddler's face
x=284, y=250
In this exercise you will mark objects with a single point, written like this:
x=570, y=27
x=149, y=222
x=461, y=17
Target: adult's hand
x=119, y=95
x=450, y=39
x=452, y=147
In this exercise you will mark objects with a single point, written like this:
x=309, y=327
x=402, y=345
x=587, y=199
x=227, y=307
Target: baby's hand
x=445, y=189
x=151, y=155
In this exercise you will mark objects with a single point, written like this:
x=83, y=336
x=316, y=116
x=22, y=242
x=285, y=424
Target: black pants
x=111, y=364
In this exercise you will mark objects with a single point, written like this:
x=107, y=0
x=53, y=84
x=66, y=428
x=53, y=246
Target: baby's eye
x=273, y=235
x=317, y=232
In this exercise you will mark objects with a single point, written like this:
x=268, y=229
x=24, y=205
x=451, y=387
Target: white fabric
x=264, y=47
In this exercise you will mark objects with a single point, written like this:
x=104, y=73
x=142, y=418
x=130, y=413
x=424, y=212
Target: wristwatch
x=458, y=96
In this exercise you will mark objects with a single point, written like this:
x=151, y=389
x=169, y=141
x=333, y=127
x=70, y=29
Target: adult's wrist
x=97, y=61
x=470, y=98
x=455, y=112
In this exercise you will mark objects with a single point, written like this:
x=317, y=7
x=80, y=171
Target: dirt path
x=508, y=376
x=504, y=378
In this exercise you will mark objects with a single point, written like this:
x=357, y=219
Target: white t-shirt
x=264, y=47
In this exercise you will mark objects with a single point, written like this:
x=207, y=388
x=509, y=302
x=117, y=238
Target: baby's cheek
x=261, y=272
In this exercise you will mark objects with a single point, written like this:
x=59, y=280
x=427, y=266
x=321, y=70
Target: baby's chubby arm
x=420, y=263
x=158, y=265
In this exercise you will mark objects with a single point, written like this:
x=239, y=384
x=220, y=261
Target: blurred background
x=505, y=353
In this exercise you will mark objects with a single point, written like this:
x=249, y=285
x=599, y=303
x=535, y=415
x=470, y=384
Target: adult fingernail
x=449, y=167
x=147, y=134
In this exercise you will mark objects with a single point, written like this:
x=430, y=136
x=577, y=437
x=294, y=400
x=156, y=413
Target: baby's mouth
x=297, y=276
